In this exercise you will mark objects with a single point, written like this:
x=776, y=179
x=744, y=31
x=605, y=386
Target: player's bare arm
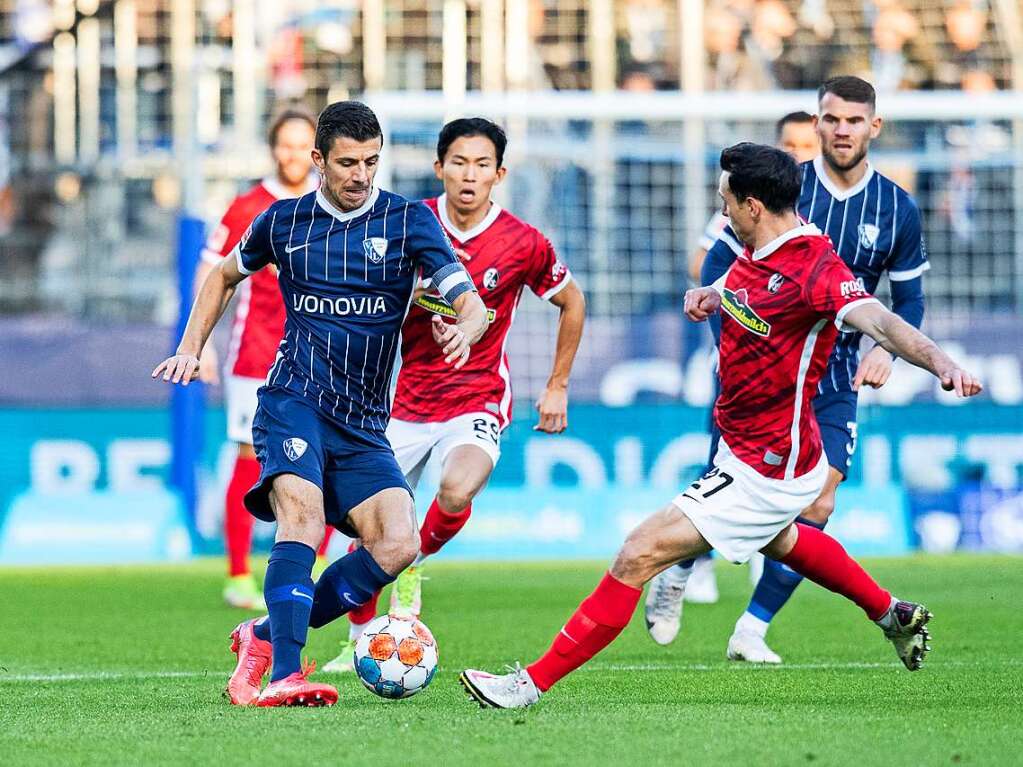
x=209, y=371
x=899, y=337
x=553, y=403
x=701, y=303
x=213, y=298
x=456, y=339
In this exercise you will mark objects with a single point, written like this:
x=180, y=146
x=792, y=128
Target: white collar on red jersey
x=273, y=185
x=841, y=195
x=347, y=215
x=806, y=230
x=476, y=231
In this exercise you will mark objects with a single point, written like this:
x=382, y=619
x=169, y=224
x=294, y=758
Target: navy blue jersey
x=875, y=228
x=347, y=281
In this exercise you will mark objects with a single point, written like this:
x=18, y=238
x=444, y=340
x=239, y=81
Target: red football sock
x=594, y=625
x=822, y=559
x=322, y=551
x=237, y=520
x=440, y=526
x=366, y=612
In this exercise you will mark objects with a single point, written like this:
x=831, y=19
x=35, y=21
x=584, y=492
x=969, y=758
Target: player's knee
x=304, y=525
x=636, y=560
x=397, y=549
x=455, y=495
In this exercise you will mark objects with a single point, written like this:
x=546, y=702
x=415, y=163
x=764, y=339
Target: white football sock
x=751, y=623
x=355, y=630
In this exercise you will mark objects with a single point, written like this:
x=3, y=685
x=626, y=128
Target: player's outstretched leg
x=663, y=609
x=240, y=590
x=819, y=557
x=664, y=538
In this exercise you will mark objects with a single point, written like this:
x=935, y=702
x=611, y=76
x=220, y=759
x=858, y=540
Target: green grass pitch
x=126, y=666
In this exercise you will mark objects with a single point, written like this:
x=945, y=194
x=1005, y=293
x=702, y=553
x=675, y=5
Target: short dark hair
x=792, y=117
x=348, y=119
x=286, y=114
x=768, y=174
x=472, y=126
x=849, y=88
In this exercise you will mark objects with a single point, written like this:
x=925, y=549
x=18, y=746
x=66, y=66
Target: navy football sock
x=288, y=590
x=262, y=629
x=776, y=585
x=345, y=585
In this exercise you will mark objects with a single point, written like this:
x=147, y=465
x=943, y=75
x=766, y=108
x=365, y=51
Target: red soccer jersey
x=506, y=255
x=781, y=310
x=259, y=316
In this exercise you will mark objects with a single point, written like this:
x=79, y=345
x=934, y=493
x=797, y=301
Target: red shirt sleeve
x=831, y=290
x=229, y=231
x=548, y=274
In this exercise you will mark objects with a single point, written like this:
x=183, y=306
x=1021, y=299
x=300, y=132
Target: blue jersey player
x=346, y=257
x=875, y=228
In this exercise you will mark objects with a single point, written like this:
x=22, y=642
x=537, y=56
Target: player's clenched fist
x=181, y=368
x=453, y=342
x=961, y=382
x=700, y=303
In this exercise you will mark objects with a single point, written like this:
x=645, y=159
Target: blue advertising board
x=572, y=495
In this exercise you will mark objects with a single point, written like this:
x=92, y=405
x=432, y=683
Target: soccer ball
x=395, y=658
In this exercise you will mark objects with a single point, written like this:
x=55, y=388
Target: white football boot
x=748, y=641
x=703, y=585
x=750, y=647
x=663, y=611
x=512, y=690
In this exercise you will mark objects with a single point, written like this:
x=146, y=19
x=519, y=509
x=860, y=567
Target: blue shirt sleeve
x=255, y=249
x=909, y=255
x=908, y=300
x=718, y=260
x=431, y=250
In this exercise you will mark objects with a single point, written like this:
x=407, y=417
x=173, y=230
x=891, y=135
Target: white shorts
x=240, y=401
x=739, y=511
x=413, y=442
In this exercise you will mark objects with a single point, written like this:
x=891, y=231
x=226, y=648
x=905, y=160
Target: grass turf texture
x=144, y=651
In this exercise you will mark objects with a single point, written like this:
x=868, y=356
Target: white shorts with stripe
x=240, y=401
x=739, y=511
x=413, y=442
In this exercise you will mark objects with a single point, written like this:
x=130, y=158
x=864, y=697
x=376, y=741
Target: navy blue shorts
x=291, y=436
x=836, y=416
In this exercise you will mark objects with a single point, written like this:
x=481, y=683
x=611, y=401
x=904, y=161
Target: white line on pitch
x=92, y=676
x=99, y=676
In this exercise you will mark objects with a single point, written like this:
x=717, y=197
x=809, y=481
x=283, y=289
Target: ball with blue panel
x=395, y=658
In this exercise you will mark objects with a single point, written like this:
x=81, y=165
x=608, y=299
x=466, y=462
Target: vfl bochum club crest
x=868, y=235
x=376, y=249
x=294, y=448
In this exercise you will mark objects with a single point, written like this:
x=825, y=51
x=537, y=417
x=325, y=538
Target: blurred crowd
x=767, y=44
